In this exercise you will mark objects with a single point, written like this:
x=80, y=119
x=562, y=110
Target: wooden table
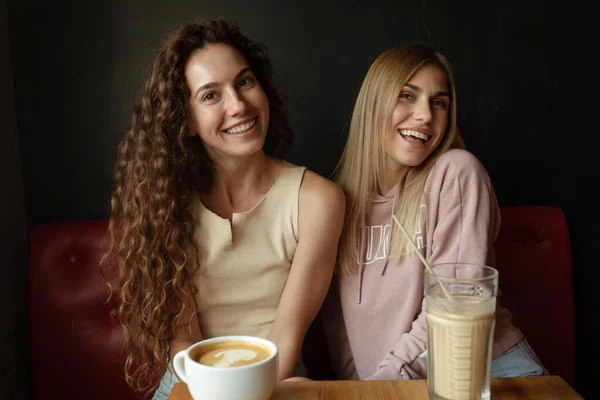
x=533, y=388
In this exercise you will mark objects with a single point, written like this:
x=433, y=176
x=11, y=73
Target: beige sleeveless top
x=245, y=262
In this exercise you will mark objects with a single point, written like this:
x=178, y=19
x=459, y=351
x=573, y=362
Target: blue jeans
x=167, y=382
x=519, y=360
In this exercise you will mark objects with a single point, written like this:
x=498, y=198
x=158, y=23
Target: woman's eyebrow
x=214, y=84
x=205, y=86
x=242, y=72
x=418, y=89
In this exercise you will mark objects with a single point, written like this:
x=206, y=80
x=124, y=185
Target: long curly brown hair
x=160, y=168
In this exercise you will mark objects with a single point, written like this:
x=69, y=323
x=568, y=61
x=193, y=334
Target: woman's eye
x=246, y=81
x=405, y=95
x=439, y=103
x=209, y=96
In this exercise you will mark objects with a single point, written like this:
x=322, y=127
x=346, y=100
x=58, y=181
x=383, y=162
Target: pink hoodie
x=383, y=305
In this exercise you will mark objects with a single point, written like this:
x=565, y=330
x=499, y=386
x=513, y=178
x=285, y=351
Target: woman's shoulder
x=316, y=185
x=459, y=161
x=322, y=206
x=457, y=167
x=318, y=194
x=317, y=188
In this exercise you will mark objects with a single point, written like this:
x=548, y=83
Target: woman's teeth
x=236, y=130
x=418, y=135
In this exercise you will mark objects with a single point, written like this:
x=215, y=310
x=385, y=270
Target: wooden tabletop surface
x=532, y=388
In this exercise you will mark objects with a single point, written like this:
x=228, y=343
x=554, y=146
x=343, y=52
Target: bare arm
x=320, y=219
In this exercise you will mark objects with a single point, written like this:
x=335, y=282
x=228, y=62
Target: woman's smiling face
x=419, y=120
x=230, y=110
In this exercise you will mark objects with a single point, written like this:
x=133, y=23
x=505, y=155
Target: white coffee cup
x=255, y=381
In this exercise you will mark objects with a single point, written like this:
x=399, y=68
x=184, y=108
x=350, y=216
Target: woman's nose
x=422, y=112
x=236, y=104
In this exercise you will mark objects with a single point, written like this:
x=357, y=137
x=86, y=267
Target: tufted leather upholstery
x=75, y=340
x=533, y=256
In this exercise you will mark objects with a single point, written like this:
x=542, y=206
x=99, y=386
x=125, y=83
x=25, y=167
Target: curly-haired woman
x=215, y=234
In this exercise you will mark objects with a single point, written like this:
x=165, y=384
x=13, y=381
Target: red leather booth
x=75, y=340
x=76, y=346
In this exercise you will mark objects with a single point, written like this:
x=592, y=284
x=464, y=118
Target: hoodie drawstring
x=361, y=255
x=361, y=265
x=387, y=258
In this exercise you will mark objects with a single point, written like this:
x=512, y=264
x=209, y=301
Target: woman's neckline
x=284, y=165
x=389, y=195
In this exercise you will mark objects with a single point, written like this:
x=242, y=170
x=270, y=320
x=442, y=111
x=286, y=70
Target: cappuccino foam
x=228, y=354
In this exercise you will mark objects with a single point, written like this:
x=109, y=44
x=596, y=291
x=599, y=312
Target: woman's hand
x=297, y=379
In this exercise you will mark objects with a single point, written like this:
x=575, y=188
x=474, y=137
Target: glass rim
x=492, y=275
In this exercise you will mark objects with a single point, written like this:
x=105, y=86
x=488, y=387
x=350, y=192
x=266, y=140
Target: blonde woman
x=398, y=161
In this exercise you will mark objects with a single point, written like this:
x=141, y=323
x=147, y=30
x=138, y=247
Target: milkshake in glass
x=460, y=331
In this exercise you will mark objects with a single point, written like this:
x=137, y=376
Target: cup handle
x=179, y=365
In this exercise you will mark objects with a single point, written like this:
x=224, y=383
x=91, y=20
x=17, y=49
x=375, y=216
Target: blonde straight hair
x=361, y=169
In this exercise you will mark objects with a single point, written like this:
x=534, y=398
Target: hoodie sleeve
x=463, y=220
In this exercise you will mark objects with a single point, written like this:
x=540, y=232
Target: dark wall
x=13, y=332
x=527, y=96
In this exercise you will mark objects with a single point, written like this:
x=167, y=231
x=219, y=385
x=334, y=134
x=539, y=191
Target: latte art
x=228, y=354
x=229, y=368
x=230, y=357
